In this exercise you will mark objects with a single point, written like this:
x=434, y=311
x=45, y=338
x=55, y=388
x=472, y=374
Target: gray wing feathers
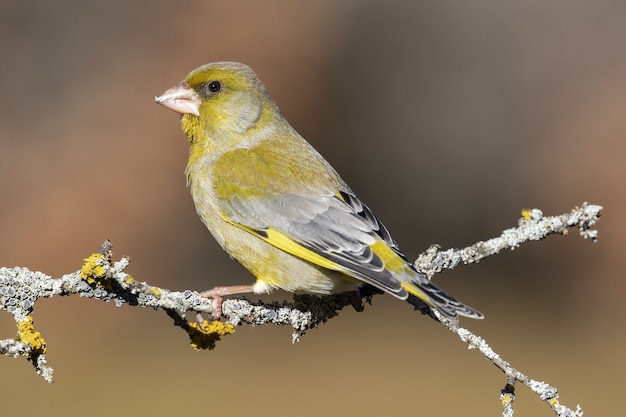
x=339, y=227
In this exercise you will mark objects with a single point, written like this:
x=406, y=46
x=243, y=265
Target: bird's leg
x=218, y=293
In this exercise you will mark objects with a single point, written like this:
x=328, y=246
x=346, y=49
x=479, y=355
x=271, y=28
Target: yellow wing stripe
x=414, y=289
x=283, y=242
x=393, y=261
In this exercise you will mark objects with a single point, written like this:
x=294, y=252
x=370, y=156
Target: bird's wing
x=337, y=232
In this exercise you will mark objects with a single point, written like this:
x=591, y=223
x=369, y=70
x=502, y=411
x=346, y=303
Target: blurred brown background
x=446, y=117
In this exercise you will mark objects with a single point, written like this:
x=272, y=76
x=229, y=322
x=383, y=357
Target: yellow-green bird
x=276, y=205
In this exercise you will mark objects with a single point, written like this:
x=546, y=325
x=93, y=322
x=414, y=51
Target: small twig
x=546, y=392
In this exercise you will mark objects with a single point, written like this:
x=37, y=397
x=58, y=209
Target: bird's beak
x=180, y=98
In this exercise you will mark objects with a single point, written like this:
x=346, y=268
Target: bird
x=276, y=206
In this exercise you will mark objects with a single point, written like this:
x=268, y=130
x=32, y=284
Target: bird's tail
x=436, y=298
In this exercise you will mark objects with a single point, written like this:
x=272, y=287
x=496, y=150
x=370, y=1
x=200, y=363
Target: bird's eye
x=214, y=87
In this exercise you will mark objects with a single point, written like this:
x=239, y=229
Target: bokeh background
x=446, y=117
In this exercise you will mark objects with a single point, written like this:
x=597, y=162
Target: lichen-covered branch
x=545, y=392
x=103, y=279
x=532, y=226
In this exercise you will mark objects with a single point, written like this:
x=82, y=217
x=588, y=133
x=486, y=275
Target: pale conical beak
x=180, y=98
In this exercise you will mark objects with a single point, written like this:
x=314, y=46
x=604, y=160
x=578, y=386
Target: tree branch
x=101, y=278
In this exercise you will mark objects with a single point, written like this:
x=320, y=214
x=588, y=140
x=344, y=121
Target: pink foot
x=218, y=293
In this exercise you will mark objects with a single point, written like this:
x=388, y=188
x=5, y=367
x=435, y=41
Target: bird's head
x=218, y=98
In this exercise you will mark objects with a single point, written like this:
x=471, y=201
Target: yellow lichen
x=506, y=399
x=26, y=333
x=526, y=214
x=92, y=268
x=206, y=335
